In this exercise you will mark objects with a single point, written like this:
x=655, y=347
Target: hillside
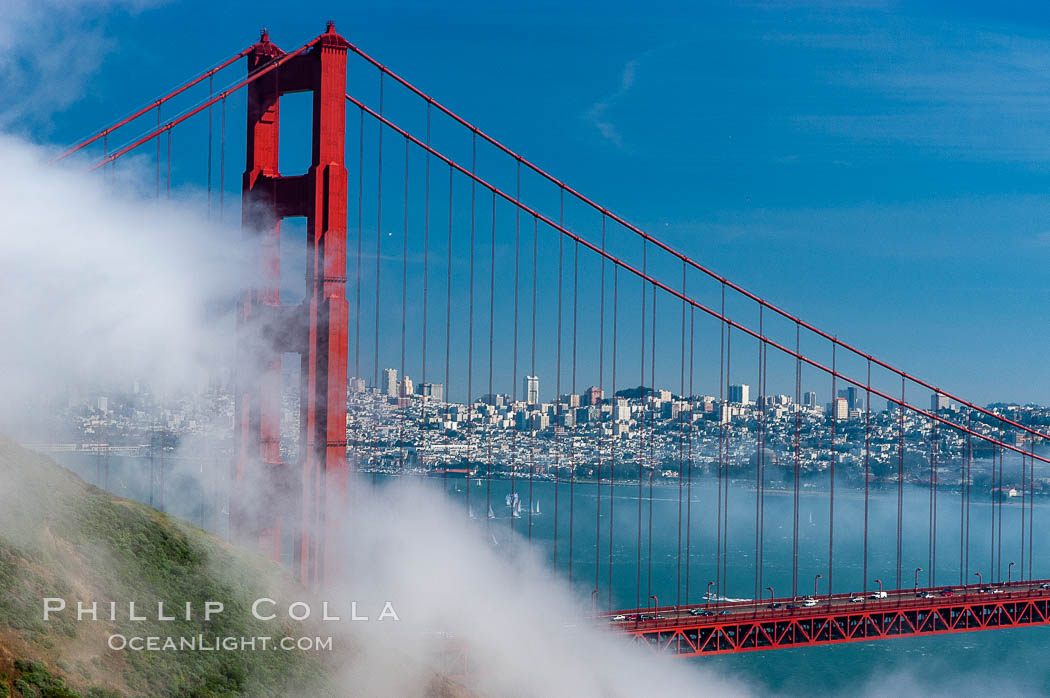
x=60, y=537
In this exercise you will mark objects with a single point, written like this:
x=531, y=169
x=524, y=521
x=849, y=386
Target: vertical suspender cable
x=867, y=477
x=681, y=450
x=169, y=165
x=1031, y=505
x=723, y=413
x=572, y=428
x=831, y=478
x=900, y=483
x=158, y=151
x=612, y=423
x=641, y=448
x=652, y=441
x=211, y=147
x=758, y=456
x=557, y=382
x=514, y=367
x=532, y=372
x=222, y=159
x=725, y=495
x=492, y=335
x=447, y=392
x=689, y=454
x=403, y=388
x=601, y=388
x=798, y=460
x=379, y=240
x=999, y=538
x=470, y=319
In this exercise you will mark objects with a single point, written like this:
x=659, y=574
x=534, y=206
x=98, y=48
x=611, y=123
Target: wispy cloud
x=48, y=50
x=598, y=114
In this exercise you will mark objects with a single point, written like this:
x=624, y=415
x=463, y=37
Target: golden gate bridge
x=497, y=248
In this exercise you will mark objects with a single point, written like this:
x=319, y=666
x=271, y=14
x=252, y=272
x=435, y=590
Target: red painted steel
x=315, y=329
x=154, y=104
x=220, y=97
x=751, y=626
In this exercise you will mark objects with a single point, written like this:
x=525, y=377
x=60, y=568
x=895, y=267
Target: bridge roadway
x=721, y=627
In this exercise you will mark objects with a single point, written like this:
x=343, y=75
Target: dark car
x=946, y=591
x=700, y=612
x=794, y=605
x=774, y=605
x=645, y=616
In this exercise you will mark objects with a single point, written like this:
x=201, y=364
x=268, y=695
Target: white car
x=878, y=595
x=856, y=599
x=618, y=618
x=809, y=602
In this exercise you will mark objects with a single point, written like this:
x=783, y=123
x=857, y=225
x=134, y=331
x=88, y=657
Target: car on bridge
x=947, y=591
x=878, y=595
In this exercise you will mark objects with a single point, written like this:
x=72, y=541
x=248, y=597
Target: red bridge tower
x=270, y=496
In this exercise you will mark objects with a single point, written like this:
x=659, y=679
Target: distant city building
x=405, y=387
x=357, y=385
x=939, y=402
x=531, y=390
x=390, y=381
x=740, y=393
x=435, y=391
x=572, y=400
x=622, y=410
x=593, y=395
x=495, y=399
x=809, y=399
x=853, y=398
x=665, y=395
x=840, y=409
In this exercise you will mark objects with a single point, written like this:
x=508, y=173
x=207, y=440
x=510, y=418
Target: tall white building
x=740, y=393
x=939, y=402
x=840, y=409
x=390, y=381
x=531, y=389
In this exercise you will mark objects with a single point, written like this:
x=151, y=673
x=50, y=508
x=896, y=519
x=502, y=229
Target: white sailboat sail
x=492, y=514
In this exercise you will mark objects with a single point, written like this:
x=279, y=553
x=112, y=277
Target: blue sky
x=879, y=169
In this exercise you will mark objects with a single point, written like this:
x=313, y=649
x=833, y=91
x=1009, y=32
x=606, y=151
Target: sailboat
x=811, y=519
x=512, y=500
x=536, y=509
x=492, y=514
x=472, y=514
x=517, y=508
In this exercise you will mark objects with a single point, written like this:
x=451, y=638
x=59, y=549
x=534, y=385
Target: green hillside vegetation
x=60, y=537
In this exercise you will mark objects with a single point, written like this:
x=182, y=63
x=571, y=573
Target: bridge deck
x=747, y=626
